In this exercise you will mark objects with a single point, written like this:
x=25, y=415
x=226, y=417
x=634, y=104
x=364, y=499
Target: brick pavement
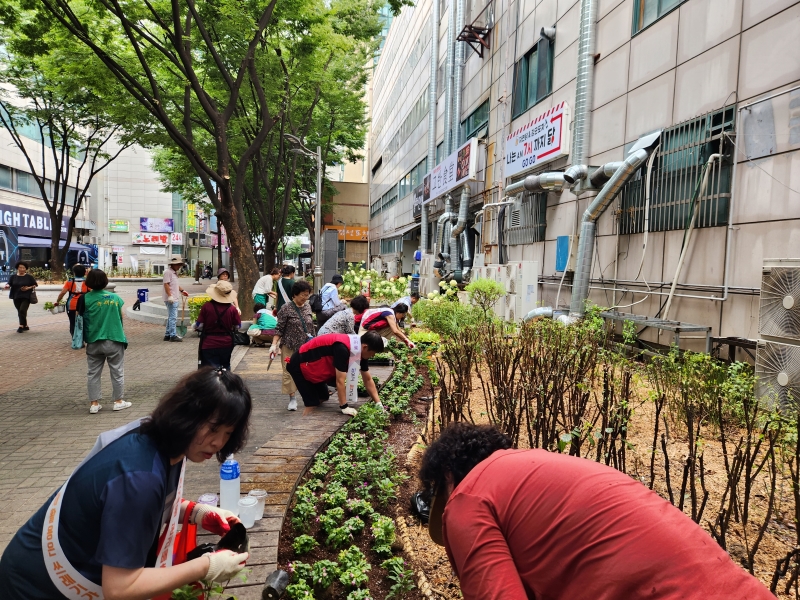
x=46, y=429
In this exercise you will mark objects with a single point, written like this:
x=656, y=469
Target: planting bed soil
x=409, y=413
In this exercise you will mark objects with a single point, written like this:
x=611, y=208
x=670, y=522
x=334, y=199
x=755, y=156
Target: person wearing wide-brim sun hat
x=219, y=317
x=172, y=289
x=224, y=275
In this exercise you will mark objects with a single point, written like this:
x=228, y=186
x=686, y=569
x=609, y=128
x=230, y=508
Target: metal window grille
x=526, y=223
x=677, y=172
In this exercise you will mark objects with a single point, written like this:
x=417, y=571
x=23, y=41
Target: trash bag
x=77, y=336
x=419, y=507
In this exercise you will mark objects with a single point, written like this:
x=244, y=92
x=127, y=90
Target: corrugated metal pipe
x=576, y=172
x=463, y=212
x=441, y=232
x=584, y=83
x=448, y=90
x=580, y=288
x=604, y=173
x=458, y=77
x=544, y=182
x=542, y=311
x=433, y=87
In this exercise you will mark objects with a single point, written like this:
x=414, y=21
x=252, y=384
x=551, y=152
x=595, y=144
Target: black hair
x=208, y=395
x=401, y=308
x=359, y=303
x=373, y=341
x=415, y=295
x=258, y=306
x=287, y=270
x=457, y=450
x=337, y=279
x=299, y=287
x=24, y=264
x=96, y=280
x=275, y=271
x=79, y=270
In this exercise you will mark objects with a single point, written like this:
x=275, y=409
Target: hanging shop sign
x=151, y=239
x=416, y=204
x=191, y=217
x=29, y=222
x=118, y=226
x=458, y=168
x=156, y=225
x=539, y=141
x=118, y=249
x=177, y=238
x=351, y=234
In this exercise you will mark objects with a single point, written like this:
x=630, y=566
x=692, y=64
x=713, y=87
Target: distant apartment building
x=701, y=98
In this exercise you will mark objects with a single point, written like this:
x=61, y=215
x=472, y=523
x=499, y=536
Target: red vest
x=321, y=369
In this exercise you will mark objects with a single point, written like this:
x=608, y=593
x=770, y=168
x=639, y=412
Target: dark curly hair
x=458, y=449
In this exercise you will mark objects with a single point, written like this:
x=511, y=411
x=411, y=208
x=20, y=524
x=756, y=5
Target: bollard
x=275, y=585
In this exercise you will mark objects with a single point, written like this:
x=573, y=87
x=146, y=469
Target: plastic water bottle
x=229, y=485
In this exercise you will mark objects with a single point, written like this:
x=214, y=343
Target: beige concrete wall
x=703, y=55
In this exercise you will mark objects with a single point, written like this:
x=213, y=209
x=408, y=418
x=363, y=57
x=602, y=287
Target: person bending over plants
x=520, y=524
x=335, y=359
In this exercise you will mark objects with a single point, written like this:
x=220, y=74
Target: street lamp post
x=344, y=245
x=299, y=148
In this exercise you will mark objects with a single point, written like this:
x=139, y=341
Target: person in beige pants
x=295, y=328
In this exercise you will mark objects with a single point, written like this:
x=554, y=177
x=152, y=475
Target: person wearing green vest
x=105, y=339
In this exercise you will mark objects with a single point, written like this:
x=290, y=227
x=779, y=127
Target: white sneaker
x=292, y=404
x=94, y=409
x=122, y=405
x=349, y=411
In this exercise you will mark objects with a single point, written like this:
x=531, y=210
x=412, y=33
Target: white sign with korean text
x=458, y=168
x=177, y=238
x=539, y=141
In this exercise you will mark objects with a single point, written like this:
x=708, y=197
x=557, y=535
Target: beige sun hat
x=222, y=291
x=176, y=259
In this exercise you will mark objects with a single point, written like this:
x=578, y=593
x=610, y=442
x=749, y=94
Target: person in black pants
x=219, y=317
x=22, y=286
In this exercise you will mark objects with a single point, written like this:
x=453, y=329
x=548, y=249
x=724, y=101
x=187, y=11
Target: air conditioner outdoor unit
x=479, y=260
x=527, y=286
x=391, y=268
x=499, y=275
x=779, y=307
x=377, y=264
x=478, y=273
x=511, y=276
x=510, y=304
x=778, y=374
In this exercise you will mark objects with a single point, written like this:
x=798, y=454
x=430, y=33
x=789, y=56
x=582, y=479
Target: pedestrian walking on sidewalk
x=23, y=290
x=74, y=289
x=172, y=290
x=283, y=286
x=105, y=340
x=103, y=528
x=295, y=328
x=219, y=318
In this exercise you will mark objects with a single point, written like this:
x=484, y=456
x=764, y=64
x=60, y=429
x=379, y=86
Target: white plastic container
x=261, y=496
x=248, y=508
x=229, y=485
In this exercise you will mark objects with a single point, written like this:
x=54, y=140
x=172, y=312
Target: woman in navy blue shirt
x=101, y=534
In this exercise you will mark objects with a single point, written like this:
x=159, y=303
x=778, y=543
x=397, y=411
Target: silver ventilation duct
x=463, y=212
x=433, y=87
x=580, y=288
x=575, y=173
x=443, y=227
x=604, y=173
x=584, y=84
x=544, y=182
x=458, y=77
x=448, y=91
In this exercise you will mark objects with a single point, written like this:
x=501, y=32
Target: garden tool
x=181, y=328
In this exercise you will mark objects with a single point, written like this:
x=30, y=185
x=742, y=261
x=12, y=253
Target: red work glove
x=213, y=519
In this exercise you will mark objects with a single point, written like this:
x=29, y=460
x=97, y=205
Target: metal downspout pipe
x=584, y=84
x=580, y=288
x=443, y=227
x=433, y=87
x=448, y=92
x=458, y=77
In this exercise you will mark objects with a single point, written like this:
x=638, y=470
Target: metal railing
x=527, y=224
x=677, y=170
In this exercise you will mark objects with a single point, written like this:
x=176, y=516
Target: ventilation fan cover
x=778, y=374
x=779, y=310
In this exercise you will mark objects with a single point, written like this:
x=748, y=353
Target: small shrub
x=446, y=317
x=339, y=537
x=335, y=495
x=300, y=571
x=300, y=591
x=359, y=595
x=360, y=508
x=331, y=519
x=303, y=544
x=324, y=573
x=403, y=578
x=354, y=525
x=383, y=532
x=485, y=293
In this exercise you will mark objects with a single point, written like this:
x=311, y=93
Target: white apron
x=353, y=368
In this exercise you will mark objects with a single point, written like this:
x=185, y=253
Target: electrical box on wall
x=566, y=249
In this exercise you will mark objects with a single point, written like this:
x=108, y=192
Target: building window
x=526, y=221
x=533, y=77
x=439, y=152
x=647, y=12
x=475, y=122
x=405, y=185
x=677, y=175
x=418, y=172
x=25, y=183
x=391, y=245
x=6, y=180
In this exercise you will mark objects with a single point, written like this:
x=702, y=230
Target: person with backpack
x=75, y=288
x=327, y=302
x=105, y=339
x=219, y=318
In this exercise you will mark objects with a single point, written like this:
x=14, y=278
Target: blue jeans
x=172, y=318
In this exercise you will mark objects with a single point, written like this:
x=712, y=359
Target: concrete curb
x=57, y=288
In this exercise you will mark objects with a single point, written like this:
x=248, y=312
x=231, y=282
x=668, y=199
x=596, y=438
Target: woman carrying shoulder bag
x=100, y=535
x=295, y=328
x=23, y=293
x=219, y=317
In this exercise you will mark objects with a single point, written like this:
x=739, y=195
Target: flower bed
x=381, y=288
x=341, y=541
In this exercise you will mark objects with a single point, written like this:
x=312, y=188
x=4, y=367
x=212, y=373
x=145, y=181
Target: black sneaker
x=26, y=328
x=175, y=338
x=166, y=338
x=20, y=330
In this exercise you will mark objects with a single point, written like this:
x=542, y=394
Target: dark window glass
x=647, y=12
x=533, y=77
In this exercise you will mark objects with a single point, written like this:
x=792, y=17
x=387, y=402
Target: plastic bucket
x=143, y=294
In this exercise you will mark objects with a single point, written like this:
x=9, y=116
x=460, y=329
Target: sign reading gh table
x=540, y=141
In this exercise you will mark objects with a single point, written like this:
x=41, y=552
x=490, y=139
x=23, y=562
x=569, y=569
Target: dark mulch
x=402, y=435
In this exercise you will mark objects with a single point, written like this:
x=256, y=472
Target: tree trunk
x=57, y=257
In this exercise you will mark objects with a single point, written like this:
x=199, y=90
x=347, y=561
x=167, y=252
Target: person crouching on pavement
x=384, y=322
x=335, y=359
x=101, y=533
x=522, y=524
x=263, y=329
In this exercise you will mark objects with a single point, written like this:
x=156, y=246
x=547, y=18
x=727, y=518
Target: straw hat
x=222, y=291
x=176, y=259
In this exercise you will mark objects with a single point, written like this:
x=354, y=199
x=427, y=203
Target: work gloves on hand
x=213, y=519
x=411, y=345
x=273, y=351
x=224, y=564
x=171, y=299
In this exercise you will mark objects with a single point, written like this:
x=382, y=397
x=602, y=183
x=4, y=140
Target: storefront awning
x=26, y=241
x=401, y=231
